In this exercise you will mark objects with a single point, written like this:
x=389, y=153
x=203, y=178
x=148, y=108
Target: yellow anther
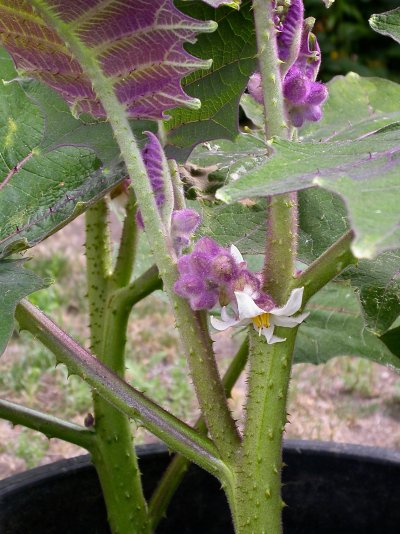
x=261, y=321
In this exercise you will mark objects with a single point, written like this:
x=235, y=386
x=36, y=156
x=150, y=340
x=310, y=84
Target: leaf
x=392, y=340
x=253, y=110
x=364, y=172
x=218, y=3
x=387, y=23
x=356, y=106
x=138, y=44
x=378, y=282
x=52, y=165
x=15, y=284
x=233, y=50
x=336, y=327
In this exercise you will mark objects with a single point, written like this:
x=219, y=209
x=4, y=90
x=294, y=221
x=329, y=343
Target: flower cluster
x=300, y=53
x=212, y=274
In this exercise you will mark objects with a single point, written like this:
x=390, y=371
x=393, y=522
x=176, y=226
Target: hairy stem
x=200, y=355
x=50, y=426
x=122, y=273
x=269, y=65
x=176, y=470
x=259, y=475
x=114, y=456
x=177, y=435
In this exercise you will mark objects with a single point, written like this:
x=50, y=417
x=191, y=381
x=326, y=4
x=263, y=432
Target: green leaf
x=253, y=110
x=387, y=23
x=364, y=172
x=378, y=282
x=392, y=340
x=15, y=284
x=232, y=47
x=356, y=106
x=336, y=327
x=52, y=165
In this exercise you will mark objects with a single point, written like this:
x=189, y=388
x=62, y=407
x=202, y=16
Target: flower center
x=261, y=321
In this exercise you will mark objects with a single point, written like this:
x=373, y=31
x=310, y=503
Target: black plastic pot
x=329, y=488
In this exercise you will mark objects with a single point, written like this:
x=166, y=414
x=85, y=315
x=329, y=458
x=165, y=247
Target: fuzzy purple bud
x=152, y=158
x=183, y=224
x=290, y=27
x=207, y=275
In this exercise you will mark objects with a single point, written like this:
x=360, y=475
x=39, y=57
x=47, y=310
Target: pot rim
x=345, y=451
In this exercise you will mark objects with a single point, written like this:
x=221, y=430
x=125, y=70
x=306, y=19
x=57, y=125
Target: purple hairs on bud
x=289, y=27
x=183, y=224
x=152, y=158
x=304, y=96
x=207, y=275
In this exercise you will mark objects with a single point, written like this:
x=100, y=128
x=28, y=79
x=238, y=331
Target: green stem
x=324, y=269
x=269, y=65
x=114, y=456
x=281, y=245
x=50, y=426
x=258, y=495
x=200, y=355
x=179, y=194
x=126, y=253
x=256, y=500
x=176, y=470
x=179, y=436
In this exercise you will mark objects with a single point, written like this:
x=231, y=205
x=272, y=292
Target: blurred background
x=347, y=41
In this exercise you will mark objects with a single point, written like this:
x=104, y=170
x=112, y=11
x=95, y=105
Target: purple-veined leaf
x=137, y=43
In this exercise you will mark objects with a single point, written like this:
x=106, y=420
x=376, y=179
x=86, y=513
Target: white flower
x=263, y=321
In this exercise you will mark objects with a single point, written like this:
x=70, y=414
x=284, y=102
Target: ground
x=347, y=400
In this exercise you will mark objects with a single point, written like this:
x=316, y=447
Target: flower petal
x=289, y=322
x=292, y=305
x=246, y=306
x=276, y=339
x=222, y=325
x=268, y=333
x=235, y=253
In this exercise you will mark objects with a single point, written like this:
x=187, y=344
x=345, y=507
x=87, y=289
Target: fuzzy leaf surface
x=232, y=48
x=322, y=221
x=52, y=165
x=137, y=43
x=387, y=23
x=16, y=282
x=354, y=152
x=336, y=327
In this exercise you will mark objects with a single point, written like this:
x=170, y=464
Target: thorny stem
x=175, y=433
x=269, y=66
x=122, y=273
x=50, y=426
x=176, y=470
x=256, y=504
x=200, y=356
x=114, y=456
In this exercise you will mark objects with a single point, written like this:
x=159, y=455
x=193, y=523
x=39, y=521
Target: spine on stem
x=114, y=455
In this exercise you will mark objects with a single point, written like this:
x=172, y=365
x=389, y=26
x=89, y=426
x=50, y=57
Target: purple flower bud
x=254, y=87
x=183, y=224
x=296, y=86
x=152, y=158
x=207, y=275
x=290, y=27
x=265, y=302
x=318, y=94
